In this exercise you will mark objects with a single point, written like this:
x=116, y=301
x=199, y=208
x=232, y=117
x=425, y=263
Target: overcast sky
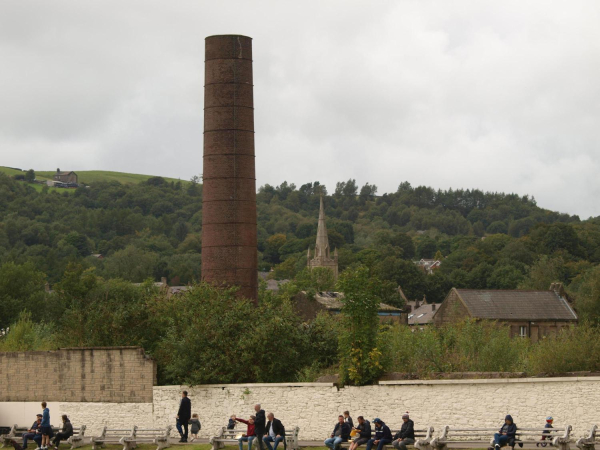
x=500, y=96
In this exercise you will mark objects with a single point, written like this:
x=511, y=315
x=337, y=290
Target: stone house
x=529, y=314
x=331, y=302
x=65, y=177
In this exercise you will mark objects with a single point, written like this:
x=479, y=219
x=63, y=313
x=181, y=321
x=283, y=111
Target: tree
x=360, y=359
x=131, y=264
x=30, y=176
x=21, y=289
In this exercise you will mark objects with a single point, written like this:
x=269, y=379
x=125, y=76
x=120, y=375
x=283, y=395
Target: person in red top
x=250, y=433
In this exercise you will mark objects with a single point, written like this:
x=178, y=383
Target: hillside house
x=429, y=265
x=65, y=177
x=529, y=314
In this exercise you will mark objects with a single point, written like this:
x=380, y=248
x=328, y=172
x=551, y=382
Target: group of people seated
x=363, y=433
x=266, y=430
x=41, y=432
x=381, y=435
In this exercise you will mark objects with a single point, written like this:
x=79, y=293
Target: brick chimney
x=229, y=231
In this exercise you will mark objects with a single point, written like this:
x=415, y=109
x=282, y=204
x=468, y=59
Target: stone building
x=322, y=256
x=65, y=177
x=529, y=314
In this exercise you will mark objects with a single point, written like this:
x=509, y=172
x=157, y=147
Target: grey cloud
x=499, y=96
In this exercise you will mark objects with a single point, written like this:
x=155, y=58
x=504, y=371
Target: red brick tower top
x=229, y=240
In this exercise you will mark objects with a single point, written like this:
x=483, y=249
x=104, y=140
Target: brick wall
x=101, y=374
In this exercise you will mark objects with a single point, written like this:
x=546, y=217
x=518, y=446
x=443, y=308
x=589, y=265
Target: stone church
x=322, y=256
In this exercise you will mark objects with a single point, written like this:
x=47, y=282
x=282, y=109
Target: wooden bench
x=112, y=436
x=158, y=436
x=225, y=436
x=422, y=439
x=589, y=442
x=455, y=437
x=16, y=433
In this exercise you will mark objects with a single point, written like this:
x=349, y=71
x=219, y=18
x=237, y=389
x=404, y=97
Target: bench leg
x=162, y=444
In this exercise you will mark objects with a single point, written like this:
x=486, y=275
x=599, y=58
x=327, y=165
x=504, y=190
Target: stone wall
x=101, y=374
x=315, y=406
x=469, y=403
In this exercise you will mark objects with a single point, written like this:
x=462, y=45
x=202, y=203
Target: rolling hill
x=91, y=176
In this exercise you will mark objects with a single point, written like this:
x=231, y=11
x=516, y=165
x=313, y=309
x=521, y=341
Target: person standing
x=45, y=426
x=183, y=416
x=275, y=432
x=348, y=419
x=259, y=425
x=406, y=435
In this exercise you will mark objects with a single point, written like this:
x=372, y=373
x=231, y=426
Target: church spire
x=322, y=245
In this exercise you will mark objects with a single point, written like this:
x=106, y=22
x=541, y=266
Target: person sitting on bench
x=65, y=433
x=34, y=433
x=364, y=433
x=506, y=435
x=275, y=432
x=383, y=435
x=250, y=433
x=406, y=435
x=341, y=433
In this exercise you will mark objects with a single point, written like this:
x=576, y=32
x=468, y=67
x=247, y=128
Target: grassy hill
x=91, y=176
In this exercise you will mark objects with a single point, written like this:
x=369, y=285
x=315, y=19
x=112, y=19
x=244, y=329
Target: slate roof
x=331, y=301
x=516, y=305
x=422, y=315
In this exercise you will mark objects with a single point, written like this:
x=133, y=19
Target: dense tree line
x=153, y=230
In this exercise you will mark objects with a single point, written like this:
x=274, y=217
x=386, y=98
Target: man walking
x=183, y=416
x=259, y=425
x=406, y=435
x=275, y=432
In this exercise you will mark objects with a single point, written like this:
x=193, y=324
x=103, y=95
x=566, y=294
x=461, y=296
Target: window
x=410, y=316
x=522, y=331
x=420, y=315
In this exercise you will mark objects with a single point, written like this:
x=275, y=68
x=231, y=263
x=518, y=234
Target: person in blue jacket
x=45, y=427
x=506, y=434
x=383, y=435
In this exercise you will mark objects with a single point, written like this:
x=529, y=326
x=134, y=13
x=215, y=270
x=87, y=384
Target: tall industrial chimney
x=229, y=242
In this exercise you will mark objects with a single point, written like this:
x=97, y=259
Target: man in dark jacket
x=33, y=433
x=364, y=433
x=507, y=433
x=65, y=433
x=383, y=435
x=406, y=435
x=183, y=416
x=259, y=425
x=274, y=431
x=341, y=433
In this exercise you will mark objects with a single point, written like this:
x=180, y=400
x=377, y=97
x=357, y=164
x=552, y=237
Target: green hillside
x=90, y=176
x=94, y=176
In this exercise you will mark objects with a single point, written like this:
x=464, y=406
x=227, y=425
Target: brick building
x=532, y=314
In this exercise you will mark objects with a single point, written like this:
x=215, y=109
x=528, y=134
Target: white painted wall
x=315, y=406
x=23, y=413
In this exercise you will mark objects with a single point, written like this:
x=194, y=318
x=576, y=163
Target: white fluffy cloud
x=501, y=96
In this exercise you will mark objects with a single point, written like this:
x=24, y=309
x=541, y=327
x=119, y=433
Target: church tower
x=322, y=256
